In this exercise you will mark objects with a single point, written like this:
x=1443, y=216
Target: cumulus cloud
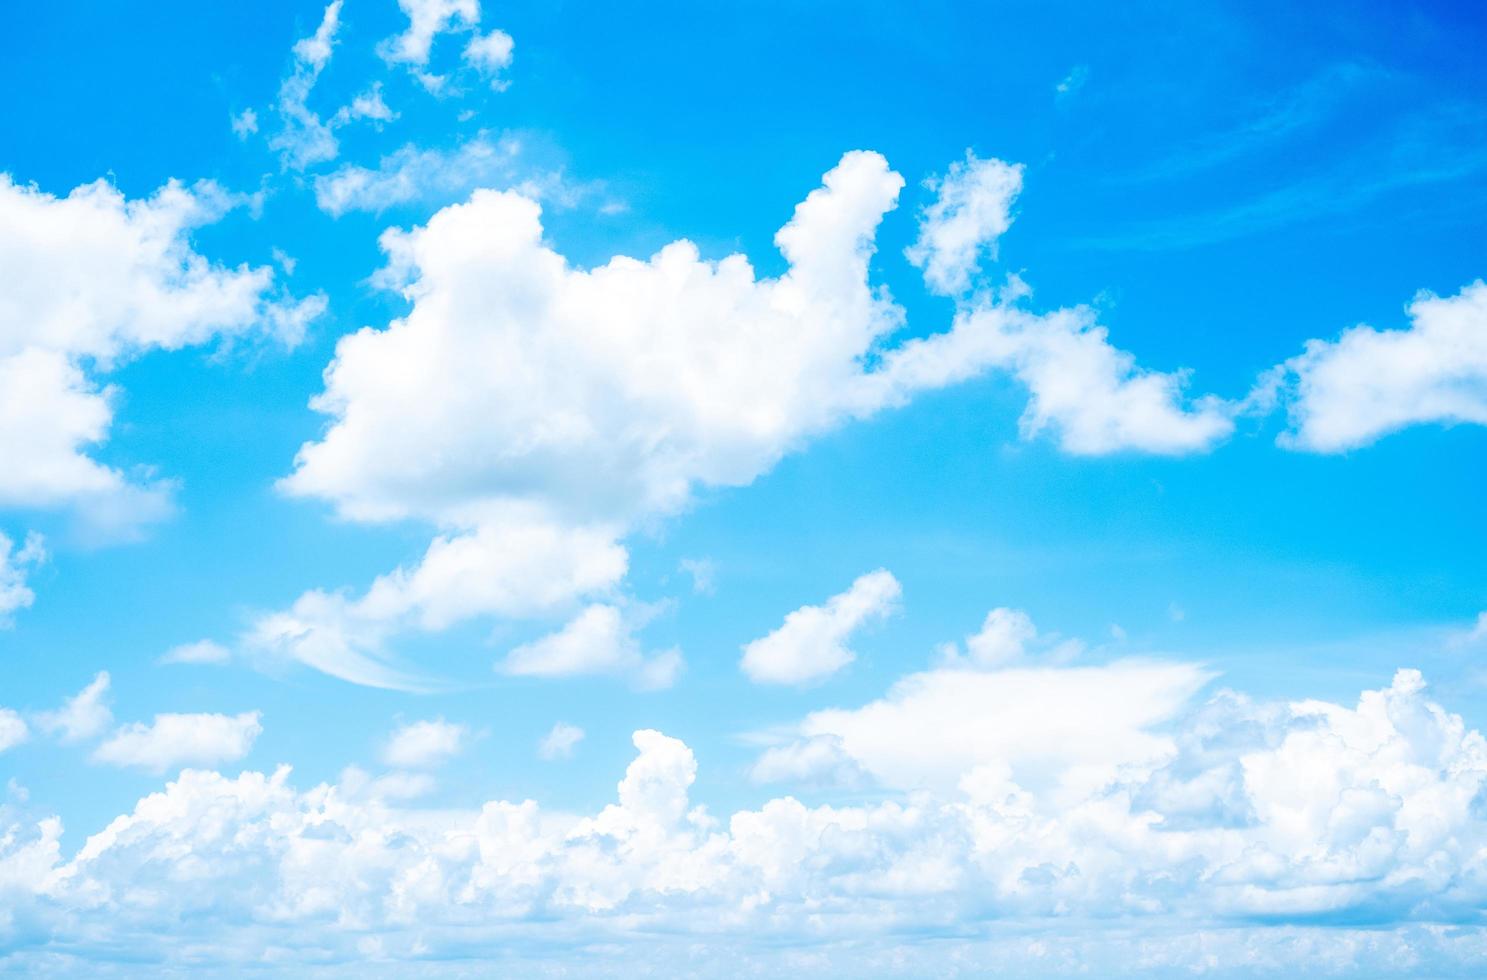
x=812, y=642
x=13, y=729
x=1349, y=392
x=15, y=567
x=1252, y=823
x=174, y=740
x=88, y=282
x=560, y=742
x=1006, y=637
x=599, y=640
x=971, y=210
x=520, y=388
x=82, y=716
x=424, y=744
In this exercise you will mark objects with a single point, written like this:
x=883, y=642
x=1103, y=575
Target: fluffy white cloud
x=411, y=174
x=87, y=282
x=15, y=566
x=1004, y=639
x=971, y=210
x=200, y=652
x=512, y=569
x=13, y=729
x=1092, y=395
x=520, y=388
x=174, y=740
x=605, y=394
x=491, y=54
x=560, y=742
x=599, y=640
x=1254, y=822
x=82, y=716
x=1069, y=727
x=812, y=642
x=1367, y=383
x=424, y=744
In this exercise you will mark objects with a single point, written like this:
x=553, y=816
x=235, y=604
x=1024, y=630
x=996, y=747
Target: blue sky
x=1066, y=485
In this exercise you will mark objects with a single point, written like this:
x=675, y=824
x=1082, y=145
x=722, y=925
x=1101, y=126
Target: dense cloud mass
x=1241, y=812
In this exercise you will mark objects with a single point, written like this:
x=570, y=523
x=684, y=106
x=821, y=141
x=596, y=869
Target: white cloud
x=305, y=139
x=174, y=740
x=200, y=652
x=245, y=124
x=1091, y=394
x=13, y=729
x=426, y=20
x=1060, y=729
x=424, y=744
x=604, y=394
x=515, y=570
x=88, y=282
x=491, y=54
x=15, y=566
x=971, y=210
x=415, y=175
x=812, y=642
x=821, y=760
x=521, y=388
x=560, y=742
x=1254, y=823
x=599, y=640
x=367, y=105
x=1003, y=639
x=82, y=716
x=1349, y=392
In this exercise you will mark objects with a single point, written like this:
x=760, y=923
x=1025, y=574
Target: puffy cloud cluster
x=1232, y=813
x=1367, y=383
x=520, y=389
x=89, y=281
x=812, y=642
